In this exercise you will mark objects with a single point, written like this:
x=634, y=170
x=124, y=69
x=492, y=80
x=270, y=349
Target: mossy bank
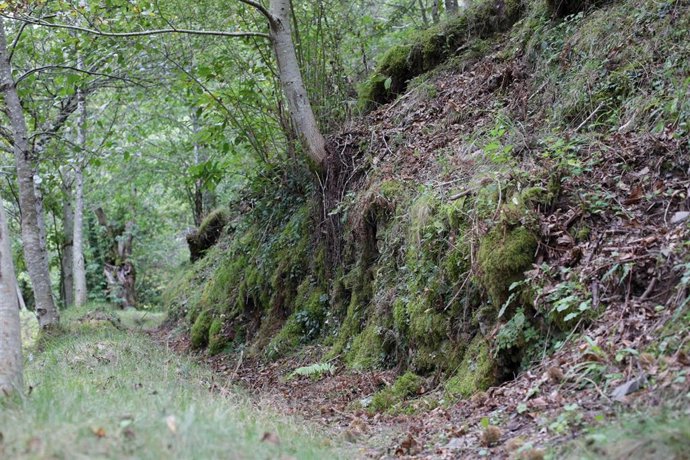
x=443, y=242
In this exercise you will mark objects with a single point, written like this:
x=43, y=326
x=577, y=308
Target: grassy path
x=97, y=391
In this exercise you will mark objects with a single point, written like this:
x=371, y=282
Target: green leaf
x=388, y=83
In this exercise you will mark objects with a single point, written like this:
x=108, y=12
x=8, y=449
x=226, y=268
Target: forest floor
x=540, y=416
x=101, y=388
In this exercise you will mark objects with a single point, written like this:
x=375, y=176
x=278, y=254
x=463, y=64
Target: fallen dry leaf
x=270, y=438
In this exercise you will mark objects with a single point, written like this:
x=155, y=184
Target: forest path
x=102, y=388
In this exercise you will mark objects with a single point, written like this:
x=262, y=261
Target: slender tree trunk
x=80, y=293
x=66, y=264
x=451, y=7
x=293, y=84
x=422, y=10
x=34, y=252
x=20, y=298
x=10, y=328
x=434, y=12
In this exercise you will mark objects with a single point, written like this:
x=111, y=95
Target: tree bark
x=34, y=252
x=451, y=7
x=118, y=267
x=80, y=292
x=10, y=329
x=293, y=84
x=434, y=12
x=422, y=10
x=66, y=264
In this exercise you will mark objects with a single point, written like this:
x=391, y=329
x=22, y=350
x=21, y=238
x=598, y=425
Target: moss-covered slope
x=470, y=235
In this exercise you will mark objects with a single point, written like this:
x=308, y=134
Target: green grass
x=100, y=392
x=648, y=437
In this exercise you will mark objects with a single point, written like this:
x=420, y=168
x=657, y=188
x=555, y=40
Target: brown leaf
x=491, y=435
x=270, y=438
x=634, y=196
x=99, y=432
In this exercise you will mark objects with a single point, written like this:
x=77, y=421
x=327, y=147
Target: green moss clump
x=426, y=325
x=432, y=46
x=476, y=372
x=405, y=386
x=216, y=340
x=504, y=255
x=367, y=351
x=208, y=233
x=200, y=328
x=304, y=325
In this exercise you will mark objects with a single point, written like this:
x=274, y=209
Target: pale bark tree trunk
x=35, y=253
x=434, y=12
x=293, y=84
x=66, y=264
x=80, y=293
x=10, y=329
x=79, y=266
x=451, y=7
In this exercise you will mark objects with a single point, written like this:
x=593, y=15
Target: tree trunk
x=10, y=329
x=66, y=264
x=79, y=266
x=434, y=12
x=293, y=85
x=451, y=7
x=422, y=10
x=34, y=252
x=80, y=293
x=118, y=268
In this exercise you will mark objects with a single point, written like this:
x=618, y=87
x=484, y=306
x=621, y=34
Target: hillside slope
x=518, y=214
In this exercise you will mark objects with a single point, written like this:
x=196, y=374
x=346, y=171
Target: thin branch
x=262, y=9
x=142, y=33
x=75, y=69
x=16, y=41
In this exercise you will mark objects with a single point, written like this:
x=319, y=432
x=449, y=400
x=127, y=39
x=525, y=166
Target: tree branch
x=16, y=41
x=75, y=69
x=260, y=8
x=142, y=33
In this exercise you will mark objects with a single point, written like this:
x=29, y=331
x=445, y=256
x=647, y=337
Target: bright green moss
x=476, y=372
x=503, y=256
x=367, y=350
x=405, y=386
x=200, y=328
x=216, y=340
x=304, y=325
x=426, y=325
